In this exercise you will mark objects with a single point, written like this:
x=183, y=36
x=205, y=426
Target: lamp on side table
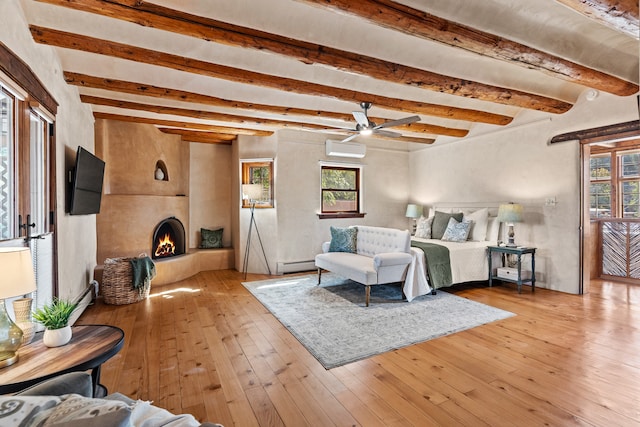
x=17, y=278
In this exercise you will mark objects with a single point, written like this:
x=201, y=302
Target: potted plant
x=55, y=318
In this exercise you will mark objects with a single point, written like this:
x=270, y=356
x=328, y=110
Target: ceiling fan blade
x=387, y=133
x=405, y=121
x=349, y=138
x=361, y=118
x=340, y=130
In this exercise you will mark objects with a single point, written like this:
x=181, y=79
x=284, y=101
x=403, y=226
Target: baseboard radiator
x=295, y=266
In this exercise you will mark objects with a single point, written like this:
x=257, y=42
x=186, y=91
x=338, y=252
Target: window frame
x=247, y=178
x=358, y=169
x=616, y=179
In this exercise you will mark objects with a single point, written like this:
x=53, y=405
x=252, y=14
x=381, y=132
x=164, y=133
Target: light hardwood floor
x=207, y=347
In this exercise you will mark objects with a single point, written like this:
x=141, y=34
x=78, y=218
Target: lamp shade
x=17, y=276
x=511, y=212
x=252, y=191
x=413, y=211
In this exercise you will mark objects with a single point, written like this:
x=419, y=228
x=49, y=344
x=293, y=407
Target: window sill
x=340, y=215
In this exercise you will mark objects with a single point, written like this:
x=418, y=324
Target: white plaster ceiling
x=546, y=25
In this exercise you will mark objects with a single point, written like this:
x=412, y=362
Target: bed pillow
x=423, y=227
x=343, y=239
x=479, y=220
x=211, y=238
x=456, y=231
x=441, y=221
x=493, y=229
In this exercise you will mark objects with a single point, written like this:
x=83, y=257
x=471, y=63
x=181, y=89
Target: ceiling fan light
x=366, y=132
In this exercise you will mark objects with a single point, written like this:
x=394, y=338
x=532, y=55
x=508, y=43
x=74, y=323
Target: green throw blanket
x=438, y=263
x=143, y=270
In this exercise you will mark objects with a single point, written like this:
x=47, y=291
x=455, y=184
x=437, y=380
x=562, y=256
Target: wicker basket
x=117, y=283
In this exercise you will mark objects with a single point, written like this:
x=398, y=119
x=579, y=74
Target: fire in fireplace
x=168, y=239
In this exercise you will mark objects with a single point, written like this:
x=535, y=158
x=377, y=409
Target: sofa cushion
x=343, y=239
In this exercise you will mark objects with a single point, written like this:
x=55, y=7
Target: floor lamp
x=252, y=192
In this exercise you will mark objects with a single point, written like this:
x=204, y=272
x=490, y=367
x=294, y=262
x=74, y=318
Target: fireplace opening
x=168, y=239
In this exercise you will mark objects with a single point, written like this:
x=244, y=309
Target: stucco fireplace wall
x=133, y=201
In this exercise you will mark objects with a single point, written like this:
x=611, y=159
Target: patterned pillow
x=343, y=239
x=456, y=231
x=423, y=227
x=441, y=221
x=69, y=410
x=211, y=238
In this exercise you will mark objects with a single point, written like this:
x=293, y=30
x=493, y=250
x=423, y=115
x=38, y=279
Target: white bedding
x=468, y=263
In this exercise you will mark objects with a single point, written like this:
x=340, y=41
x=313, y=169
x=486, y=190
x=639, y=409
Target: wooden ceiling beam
x=621, y=15
x=155, y=16
x=417, y=23
x=186, y=125
x=142, y=89
x=68, y=40
x=221, y=117
x=200, y=136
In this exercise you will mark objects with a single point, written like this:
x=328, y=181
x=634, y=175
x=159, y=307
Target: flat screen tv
x=86, y=184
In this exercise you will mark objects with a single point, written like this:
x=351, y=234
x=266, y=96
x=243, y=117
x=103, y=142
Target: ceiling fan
x=365, y=127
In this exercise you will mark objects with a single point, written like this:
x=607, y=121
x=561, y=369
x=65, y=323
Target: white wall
x=209, y=191
x=292, y=230
x=74, y=126
x=519, y=165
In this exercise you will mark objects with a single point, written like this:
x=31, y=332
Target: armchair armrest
x=391, y=258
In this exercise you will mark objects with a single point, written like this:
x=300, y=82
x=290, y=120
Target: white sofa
x=382, y=256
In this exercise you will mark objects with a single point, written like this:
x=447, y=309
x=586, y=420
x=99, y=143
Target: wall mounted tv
x=86, y=184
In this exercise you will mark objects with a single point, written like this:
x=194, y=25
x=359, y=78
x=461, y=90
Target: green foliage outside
x=338, y=185
x=629, y=190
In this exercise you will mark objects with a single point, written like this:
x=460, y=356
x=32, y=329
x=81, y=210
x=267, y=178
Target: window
x=260, y=174
x=340, y=191
x=7, y=153
x=615, y=182
x=629, y=184
x=600, y=188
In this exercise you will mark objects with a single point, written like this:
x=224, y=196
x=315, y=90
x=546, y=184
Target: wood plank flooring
x=206, y=346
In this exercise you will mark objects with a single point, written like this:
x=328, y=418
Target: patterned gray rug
x=332, y=322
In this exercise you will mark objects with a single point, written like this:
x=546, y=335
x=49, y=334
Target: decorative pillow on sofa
x=423, y=227
x=441, y=221
x=211, y=238
x=343, y=239
x=456, y=231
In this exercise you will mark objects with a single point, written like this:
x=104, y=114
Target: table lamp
x=509, y=214
x=415, y=212
x=17, y=278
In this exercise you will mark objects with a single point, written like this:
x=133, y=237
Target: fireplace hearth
x=168, y=239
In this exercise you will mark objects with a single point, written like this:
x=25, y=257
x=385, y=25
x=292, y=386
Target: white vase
x=57, y=337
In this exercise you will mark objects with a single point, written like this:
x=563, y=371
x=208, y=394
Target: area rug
x=332, y=322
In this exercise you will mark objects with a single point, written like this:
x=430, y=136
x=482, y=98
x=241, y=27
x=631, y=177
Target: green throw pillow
x=440, y=222
x=211, y=238
x=343, y=239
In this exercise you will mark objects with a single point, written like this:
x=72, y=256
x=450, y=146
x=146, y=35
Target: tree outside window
x=340, y=190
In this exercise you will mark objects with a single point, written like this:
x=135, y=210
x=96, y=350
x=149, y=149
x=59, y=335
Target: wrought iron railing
x=620, y=248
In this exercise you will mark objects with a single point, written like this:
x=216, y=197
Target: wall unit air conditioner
x=345, y=149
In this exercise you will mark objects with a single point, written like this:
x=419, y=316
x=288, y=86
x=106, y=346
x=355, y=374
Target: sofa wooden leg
x=319, y=276
x=367, y=293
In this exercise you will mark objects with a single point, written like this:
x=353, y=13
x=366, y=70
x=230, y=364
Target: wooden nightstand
x=518, y=277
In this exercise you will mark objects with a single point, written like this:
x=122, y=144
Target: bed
x=467, y=259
